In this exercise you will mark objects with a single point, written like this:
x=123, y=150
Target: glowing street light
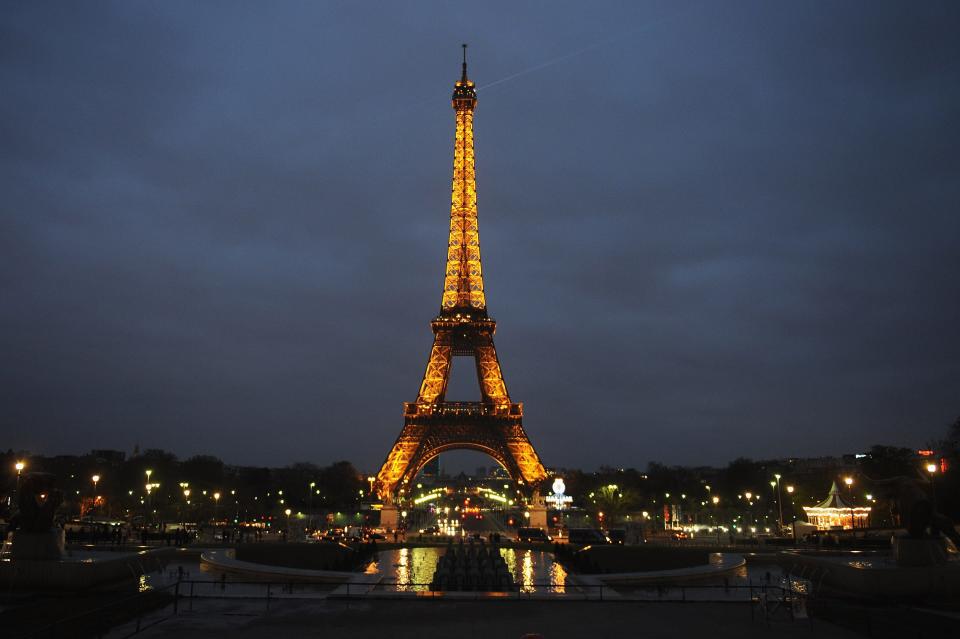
x=20, y=465
x=931, y=468
x=716, y=500
x=95, y=479
x=779, y=500
x=848, y=480
x=790, y=489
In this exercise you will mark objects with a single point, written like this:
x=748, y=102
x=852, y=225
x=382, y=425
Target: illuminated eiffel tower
x=433, y=425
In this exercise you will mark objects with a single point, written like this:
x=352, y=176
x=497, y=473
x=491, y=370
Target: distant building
x=109, y=457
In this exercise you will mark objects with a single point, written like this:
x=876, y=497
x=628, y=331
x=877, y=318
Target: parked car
x=533, y=534
x=679, y=535
x=586, y=537
x=334, y=534
x=617, y=536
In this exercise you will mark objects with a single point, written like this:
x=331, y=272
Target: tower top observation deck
x=464, y=91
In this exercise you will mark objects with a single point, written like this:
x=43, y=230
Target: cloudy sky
x=709, y=229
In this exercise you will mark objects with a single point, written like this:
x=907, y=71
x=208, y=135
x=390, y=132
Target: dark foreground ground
x=472, y=619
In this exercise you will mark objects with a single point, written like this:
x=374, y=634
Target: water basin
x=411, y=569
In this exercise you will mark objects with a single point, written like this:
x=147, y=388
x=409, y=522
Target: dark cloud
x=714, y=229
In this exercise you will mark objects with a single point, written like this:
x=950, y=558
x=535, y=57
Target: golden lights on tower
x=462, y=328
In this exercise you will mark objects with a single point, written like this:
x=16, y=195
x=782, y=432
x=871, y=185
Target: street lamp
x=95, y=479
x=848, y=480
x=779, y=502
x=931, y=469
x=716, y=500
x=216, y=505
x=19, y=466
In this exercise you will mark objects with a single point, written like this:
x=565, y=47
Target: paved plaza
x=476, y=620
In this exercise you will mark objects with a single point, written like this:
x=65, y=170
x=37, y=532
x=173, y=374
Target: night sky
x=709, y=229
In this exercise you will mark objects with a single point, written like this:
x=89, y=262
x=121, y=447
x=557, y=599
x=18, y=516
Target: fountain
x=37, y=557
x=922, y=564
x=468, y=568
x=35, y=537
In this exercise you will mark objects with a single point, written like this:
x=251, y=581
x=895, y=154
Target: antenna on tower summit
x=464, y=77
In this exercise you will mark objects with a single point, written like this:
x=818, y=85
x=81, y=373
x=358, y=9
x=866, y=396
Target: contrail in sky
x=396, y=112
x=591, y=47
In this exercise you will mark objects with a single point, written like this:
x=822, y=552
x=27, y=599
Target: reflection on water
x=558, y=578
x=412, y=569
x=526, y=584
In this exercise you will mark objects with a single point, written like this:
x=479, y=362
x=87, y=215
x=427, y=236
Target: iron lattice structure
x=433, y=425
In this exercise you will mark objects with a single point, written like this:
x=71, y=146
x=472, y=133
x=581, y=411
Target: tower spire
x=463, y=281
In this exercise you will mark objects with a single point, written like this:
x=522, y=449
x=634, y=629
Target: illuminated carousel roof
x=833, y=500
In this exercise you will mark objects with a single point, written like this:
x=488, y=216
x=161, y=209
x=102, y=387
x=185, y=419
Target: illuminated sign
x=558, y=499
x=558, y=486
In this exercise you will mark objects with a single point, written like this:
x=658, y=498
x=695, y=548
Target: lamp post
x=779, y=503
x=148, y=472
x=749, y=496
x=95, y=479
x=716, y=500
x=286, y=534
x=19, y=466
x=792, y=509
x=931, y=469
x=216, y=505
x=186, y=498
x=848, y=480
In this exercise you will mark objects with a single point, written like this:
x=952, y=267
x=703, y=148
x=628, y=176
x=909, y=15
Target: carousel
x=834, y=513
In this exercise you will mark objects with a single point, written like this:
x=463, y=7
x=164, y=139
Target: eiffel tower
x=432, y=424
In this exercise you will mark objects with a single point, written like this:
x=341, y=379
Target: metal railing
x=140, y=611
x=131, y=615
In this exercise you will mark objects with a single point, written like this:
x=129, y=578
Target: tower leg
x=538, y=516
x=389, y=518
